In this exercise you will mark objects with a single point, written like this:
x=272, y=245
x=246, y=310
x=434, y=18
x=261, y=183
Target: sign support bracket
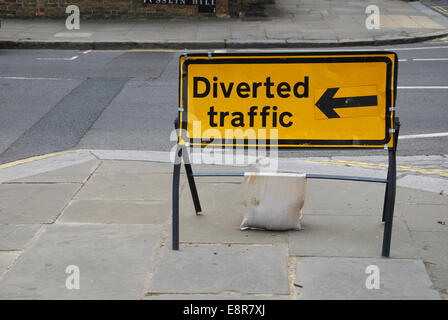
x=182, y=153
x=389, y=197
x=327, y=103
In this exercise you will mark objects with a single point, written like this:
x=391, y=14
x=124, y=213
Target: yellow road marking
x=380, y=166
x=359, y=164
x=151, y=50
x=144, y=50
x=165, y=50
x=440, y=39
x=440, y=9
x=31, y=159
x=443, y=9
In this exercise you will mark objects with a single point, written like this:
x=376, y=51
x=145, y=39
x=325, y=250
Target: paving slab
x=73, y=174
x=425, y=217
x=6, y=259
x=133, y=195
x=113, y=263
x=222, y=214
x=157, y=156
x=17, y=237
x=112, y=166
x=116, y=212
x=127, y=186
x=215, y=269
x=216, y=297
x=330, y=197
x=310, y=166
x=222, y=169
x=349, y=236
x=434, y=252
x=430, y=184
x=345, y=279
x=412, y=196
x=45, y=164
x=33, y=203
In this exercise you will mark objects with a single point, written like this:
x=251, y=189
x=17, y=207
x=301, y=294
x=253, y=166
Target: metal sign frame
x=390, y=143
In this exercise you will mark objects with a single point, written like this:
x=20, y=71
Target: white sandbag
x=273, y=201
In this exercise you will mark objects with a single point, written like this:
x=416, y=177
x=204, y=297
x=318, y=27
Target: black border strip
x=254, y=59
x=287, y=53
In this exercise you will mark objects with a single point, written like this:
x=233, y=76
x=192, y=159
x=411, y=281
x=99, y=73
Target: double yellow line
x=380, y=166
x=41, y=157
x=440, y=9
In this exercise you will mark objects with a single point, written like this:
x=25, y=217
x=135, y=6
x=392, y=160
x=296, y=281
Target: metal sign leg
x=191, y=182
x=391, y=188
x=390, y=203
x=176, y=181
x=181, y=152
x=385, y=195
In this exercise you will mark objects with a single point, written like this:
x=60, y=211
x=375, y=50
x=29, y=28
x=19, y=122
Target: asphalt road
x=54, y=100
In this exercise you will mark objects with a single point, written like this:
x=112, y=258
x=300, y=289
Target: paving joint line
x=27, y=246
x=291, y=266
x=93, y=154
x=108, y=224
x=152, y=269
x=73, y=197
x=427, y=265
x=34, y=183
x=40, y=157
x=352, y=257
x=227, y=244
x=225, y=293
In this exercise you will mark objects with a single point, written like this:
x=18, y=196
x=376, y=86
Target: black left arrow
x=327, y=103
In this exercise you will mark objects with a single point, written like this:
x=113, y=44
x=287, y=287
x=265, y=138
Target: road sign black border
x=312, y=57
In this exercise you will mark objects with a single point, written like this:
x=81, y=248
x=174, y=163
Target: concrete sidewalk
x=306, y=23
x=109, y=213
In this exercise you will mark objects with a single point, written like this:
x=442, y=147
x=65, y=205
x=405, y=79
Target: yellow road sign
x=325, y=99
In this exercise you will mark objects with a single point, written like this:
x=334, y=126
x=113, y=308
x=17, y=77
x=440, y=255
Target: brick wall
x=105, y=9
x=222, y=9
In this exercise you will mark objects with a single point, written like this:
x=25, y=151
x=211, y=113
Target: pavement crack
x=20, y=254
x=70, y=201
x=157, y=254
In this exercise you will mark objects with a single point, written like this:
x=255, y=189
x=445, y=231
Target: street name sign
x=292, y=100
